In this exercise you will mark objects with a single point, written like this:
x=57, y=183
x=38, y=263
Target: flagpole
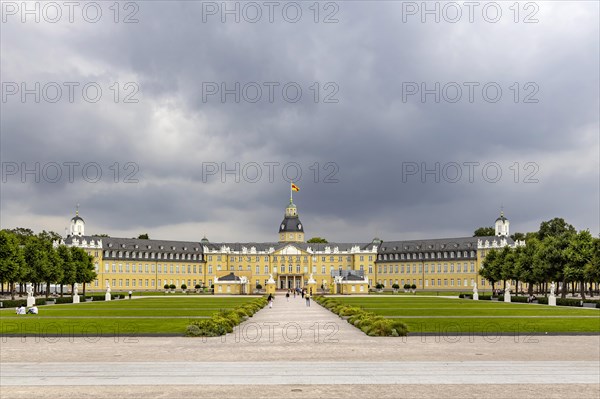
x=291, y=192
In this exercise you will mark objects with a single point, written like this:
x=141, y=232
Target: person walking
x=307, y=300
x=302, y=292
x=287, y=296
x=270, y=299
x=295, y=289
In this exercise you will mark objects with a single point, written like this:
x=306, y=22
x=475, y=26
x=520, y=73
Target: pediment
x=290, y=249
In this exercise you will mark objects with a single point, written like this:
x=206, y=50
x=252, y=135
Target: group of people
x=297, y=291
x=22, y=310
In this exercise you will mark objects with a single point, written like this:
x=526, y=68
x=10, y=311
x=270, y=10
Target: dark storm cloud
x=370, y=135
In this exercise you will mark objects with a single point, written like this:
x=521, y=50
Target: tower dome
x=291, y=228
x=77, y=226
x=502, y=225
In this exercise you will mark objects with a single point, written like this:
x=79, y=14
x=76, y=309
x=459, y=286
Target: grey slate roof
x=290, y=225
x=265, y=246
x=229, y=277
x=437, y=244
x=352, y=277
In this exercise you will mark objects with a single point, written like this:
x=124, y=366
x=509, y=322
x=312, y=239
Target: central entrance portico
x=290, y=281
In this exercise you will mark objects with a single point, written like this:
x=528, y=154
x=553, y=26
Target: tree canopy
x=484, y=232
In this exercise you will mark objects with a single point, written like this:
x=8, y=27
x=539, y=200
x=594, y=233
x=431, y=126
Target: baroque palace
x=145, y=264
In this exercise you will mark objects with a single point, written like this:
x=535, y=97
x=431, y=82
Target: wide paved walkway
x=295, y=351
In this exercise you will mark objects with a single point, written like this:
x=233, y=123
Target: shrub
x=167, y=286
x=395, y=286
x=258, y=287
x=414, y=286
x=350, y=311
x=406, y=286
x=379, y=286
x=543, y=300
x=197, y=286
x=183, y=287
x=66, y=299
x=172, y=286
x=222, y=323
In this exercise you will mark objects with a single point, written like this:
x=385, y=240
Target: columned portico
x=289, y=281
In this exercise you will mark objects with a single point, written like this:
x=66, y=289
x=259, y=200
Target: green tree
x=12, y=262
x=555, y=228
x=143, y=236
x=579, y=253
x=84, y=266
x=518, y=236
x=529, y=268
x=555, y=235
x=68, y=266
x=490, y=269
x=43, y=262
x=554, y=260
x=507, y=264
x=22, y=234
x=317, y=240
x=100, y=235
x=49, y=236
x=484, y=232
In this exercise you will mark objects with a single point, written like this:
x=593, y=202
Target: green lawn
x=443, y=315
x=138, y=316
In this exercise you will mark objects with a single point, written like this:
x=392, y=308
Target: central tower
x=291, y=229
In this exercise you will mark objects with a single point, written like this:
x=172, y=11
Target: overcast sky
x=164, y=122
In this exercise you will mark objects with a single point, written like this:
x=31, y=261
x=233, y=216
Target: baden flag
x=295, y=187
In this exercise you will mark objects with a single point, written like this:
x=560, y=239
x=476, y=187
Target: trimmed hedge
x=223, y=322
x=18, y=302
x=482, y=297
x=368, y=322
x=567, y=302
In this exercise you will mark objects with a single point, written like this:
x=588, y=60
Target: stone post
x=271, y=286
x=311, y=286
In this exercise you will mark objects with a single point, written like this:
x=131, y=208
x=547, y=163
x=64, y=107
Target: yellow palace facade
x=435, y=264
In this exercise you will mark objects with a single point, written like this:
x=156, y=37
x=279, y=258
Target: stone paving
x=297, y=351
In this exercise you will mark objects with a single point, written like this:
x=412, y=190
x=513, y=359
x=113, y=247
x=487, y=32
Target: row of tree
x=29, y=258
x=556, y=252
